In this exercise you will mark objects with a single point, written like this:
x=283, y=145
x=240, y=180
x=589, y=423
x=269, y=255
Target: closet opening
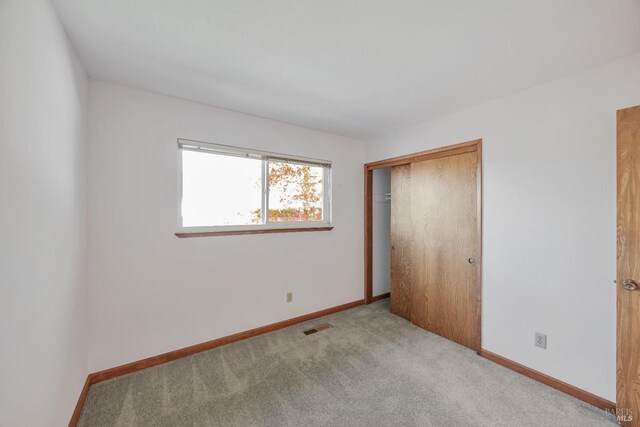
x=423, y=239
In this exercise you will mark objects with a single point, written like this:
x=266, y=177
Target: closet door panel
x=401, y=244
x=443, y=205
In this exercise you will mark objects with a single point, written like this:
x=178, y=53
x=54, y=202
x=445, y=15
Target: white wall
x=381, y=231
x=549, y=217
x=151, y=292
x=43, y=313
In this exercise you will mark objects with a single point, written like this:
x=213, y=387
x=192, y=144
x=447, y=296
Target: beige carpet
x=371, y=369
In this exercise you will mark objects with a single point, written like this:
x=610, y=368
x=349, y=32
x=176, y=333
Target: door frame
x=450, y=150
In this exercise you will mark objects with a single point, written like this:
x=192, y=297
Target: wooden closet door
x=401, y=230
x=628, y=274
x=445, y=296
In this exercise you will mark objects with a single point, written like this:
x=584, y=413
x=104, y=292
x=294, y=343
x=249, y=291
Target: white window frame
x=265, y=157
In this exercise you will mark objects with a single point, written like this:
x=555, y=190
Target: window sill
x=187, y=234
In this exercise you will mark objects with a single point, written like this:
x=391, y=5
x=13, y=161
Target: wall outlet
x=289, y=296
x=541, y=340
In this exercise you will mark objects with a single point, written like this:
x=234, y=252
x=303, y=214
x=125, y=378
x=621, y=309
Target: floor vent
x=317, y=329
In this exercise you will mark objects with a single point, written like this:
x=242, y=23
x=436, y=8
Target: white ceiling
x=359, y=68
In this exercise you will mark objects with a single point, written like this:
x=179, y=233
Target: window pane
x=295, y=192
x=220, y=190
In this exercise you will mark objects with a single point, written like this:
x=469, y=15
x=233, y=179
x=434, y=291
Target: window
x=229, y=188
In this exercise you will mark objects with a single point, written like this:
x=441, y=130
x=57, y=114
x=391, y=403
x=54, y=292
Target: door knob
x=471, y=260
x=630, y=285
